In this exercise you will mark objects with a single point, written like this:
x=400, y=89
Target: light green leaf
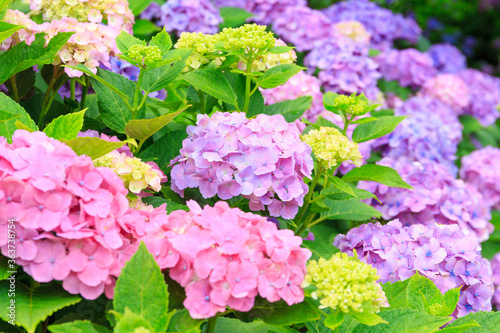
x=368, y=319
x=280, y=49
x=8, y=127
x=421, y=292
x=182, y=322
x=140, y=278
x=335, y=194
x=233, y=17
x=7, y=30
x=375, y=129
x=142, y=129
x=213, y=83
x=229, y=325
x=162, y=40
x=5, y=116
x=489, y=321
x=396, y=293
x=94, y=147
x=353, y=210
x=129, y=321
x=329, y=102
x=377, y=173
x=137, y=6
x=364, y=120
x=461, y=328
x=342, y=185
x=65, y=127
x=334, y=320
x=79, y=326
x=4, y=5
x=33, y=305
x=21, y=126
x=290, y=109
x=278, y=75
x=124, y=41
x=320, y=249
x=158, y=78
x=22, y=56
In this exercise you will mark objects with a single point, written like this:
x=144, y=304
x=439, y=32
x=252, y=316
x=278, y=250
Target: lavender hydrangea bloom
x=448, y=255
x=449, y=89
x=345, y=67
x=436, y=197
x=432, y=132
x=383, y=25
x=484, y=96
x=447, y=58
x=265, y=11
x=410, y=67
x=303, y=26
x=262, y=159
x=481, y=169
x=495, y=266
x=185, y=15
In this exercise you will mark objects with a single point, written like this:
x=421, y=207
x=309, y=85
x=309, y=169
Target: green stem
x=307, y=201
x=203, y=101
x=248, y=81
x=85, y=89
x=137, y=94
x=72, y=85
x=49, y=96
x=318, y=220
x=211, y=324
x=15, y=93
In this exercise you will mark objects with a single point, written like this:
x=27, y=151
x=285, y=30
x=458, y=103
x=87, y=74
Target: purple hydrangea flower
x=262, y=159
x=482, y=169
x=447, y=58
x=185, y=15
x=448, y=255
x=495, y=266
x=265, y=11
x=383, y=25
x=410, y=67
x=449, y=89
x=484, y=96
x=436, y=197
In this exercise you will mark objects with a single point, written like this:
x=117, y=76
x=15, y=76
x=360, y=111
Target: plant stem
x=49, y=96
x=137, y=94
x=72, y=85
x=85, y=89
x=15, y=93
x=307, y=201
x=248, y=81
x=211, y=324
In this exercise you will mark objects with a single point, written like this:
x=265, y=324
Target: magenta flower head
x=447, y=254
x=262, y=159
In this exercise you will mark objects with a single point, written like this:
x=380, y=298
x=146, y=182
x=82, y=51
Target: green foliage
x=24, y=82
x=79, y=326
x=125, y=41
x=290, y=109
x=140, y=278
x=94, y=147
x=278, y=75
x=5, y=116
x=342, y=185
x=165, y=148
x=336, y=194
x=488, y=321
x=377, y=173
x=8, y=127
x=137, y=6
x=256, y=103
x=320, y=249
x=65, y=127
x=33, y=305
x=233, y=17
x=213, y=83
x=157, y=202
x=334, y=320
x=144, y=27
x=353, y=210
x=162, y=41
x=130, y=321
x=376, y=129
x=158, y=78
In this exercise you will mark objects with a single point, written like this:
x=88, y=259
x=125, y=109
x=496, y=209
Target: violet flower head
x=449, y=89
x=262, y=159
x=446, y=254
x=481, y=169
x=447, y=58
x=495, y=266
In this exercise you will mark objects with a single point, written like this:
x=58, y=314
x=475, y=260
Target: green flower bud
x=142, y=54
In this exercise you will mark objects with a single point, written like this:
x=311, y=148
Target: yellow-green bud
x=331, y=147
x=351, y=105
x=142, y=53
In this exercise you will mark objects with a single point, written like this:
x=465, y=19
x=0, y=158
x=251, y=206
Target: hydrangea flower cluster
x=431, y=132
x=484, y=96
x=261, y=159
x=447, y=255
x=225, y=257
x=66, y=213
x=354, y=30
x=410, y=67
x=436, y=197
x=480, y=168
x=301, y=84
x=447, y=58
x=185, y=15
x=495, y=266
x=331, y=147
x=345, y=283
x=26, y=34
x=116, y=13
x=345, y=67
x=449, y=89
x=383, y=25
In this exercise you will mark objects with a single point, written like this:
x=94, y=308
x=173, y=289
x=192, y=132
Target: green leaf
x=8, y=127
x=320, y=249
x=396, y=293
x=65, y=127
x=129, y=321
x=33, y=305
x=280, y=49
x=377, y=173
x=342, y=185
x=233, y=17
x=144, y=27
x=21, y=126
x=138, y=6
x=124, y=41
x=157, y=202
x=158, y=78
x=164, y=149
x=280, y=313
x=4, y=5
x=421, y=292
x=489, y=321
x=213, y=83
x=364, y=120
x=182, y=322
x=140, y=278
x=329, y=102
x=334, y=320
x=353, y=210
x=256, y=104
x=6, y=269
x=79, y=326
x=368, y=319
x=142, y=129
x=335, y=194
x=290, y=109
x=25, y=80
x=94, y=147
x=22, y=56
x=278, y=75
x=375, y=129
x=5, y=116
x=229, y=325
x=461, y=328
x=162, y=40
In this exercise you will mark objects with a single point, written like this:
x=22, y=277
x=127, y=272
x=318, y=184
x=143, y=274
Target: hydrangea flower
x=224, y=257
x=484, y=96
x=383, y=25
x=26, y=34
x=354, y=30
x=185, y=15
x=495, y=266
x=480, y=168
x=410, y=67
x=331, y=147
x=449, y=89
x=345, y=283
x=448, y=255
x=436, y=197
x=261, y=159
x=447, y=58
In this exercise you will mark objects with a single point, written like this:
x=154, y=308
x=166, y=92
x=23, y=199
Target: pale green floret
x=352, y=105
x=344, y=283
x=141, y=53
x=247, y=37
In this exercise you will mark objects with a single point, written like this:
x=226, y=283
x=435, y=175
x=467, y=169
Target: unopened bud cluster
x=331, y=147
x=344, y=283
x=142, y=53
x=352, y=105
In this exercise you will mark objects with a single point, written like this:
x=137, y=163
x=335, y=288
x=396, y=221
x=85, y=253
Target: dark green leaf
x=25, y=80
x=165, y=149
x=137, y=6
x=291, y=109
x=8, y=127
x=158, y=78
x=342, y=185
x=157, y=202
x=377, y=173
x=320, y=249
x=80, y=326
x=212, y=82
x=233, y=16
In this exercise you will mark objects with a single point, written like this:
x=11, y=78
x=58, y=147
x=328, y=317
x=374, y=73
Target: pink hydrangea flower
x=449, y=89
